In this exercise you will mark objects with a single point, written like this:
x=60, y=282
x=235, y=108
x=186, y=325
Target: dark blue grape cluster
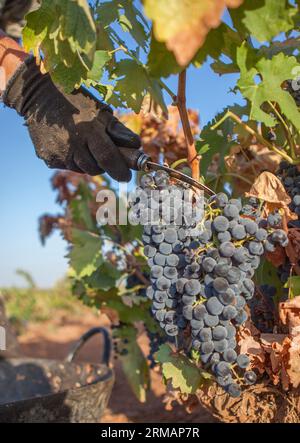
x=201, y=280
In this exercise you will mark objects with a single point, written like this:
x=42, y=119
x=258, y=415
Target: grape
x=227, y=249
x=192, y=287
x=269, y=247
x=221, y=269
x=230, y=355
x=239, y=302
x=240, y=255
x=161, y=178
x=221, y=200
x=158, y=238
x=220, y=284
x=188, y=299
x=219, y=333
x=158, y=305
x=224, y=381
x=233, y=275
x=208, y=264
x=187, y=312
x=196, y=324
x=220, y=345
x=251, y=227
x=170, y=317
x=205, y=334
x=159, y=259
x=171, y=235
x=224, y=236
x=180, y=284
x=199, y=312
x=170, y=272
x=160, y=315
x=146, y=181
x=213, y=306
x=256, y=248
x=211, y=320
x=172, y=260
x=165, y=248
x=222, y=369
x=227, y=297
x=274, y=220
x=234, y=390
x=238, y=232
x=231, y=331
x=229, y=312
x=221, y=224
x=160, y=296
x=163, y=283
x=241, y=317
x=207, y=347
x=156, y=271
x=171, y=330
x=250, y=377
x=231, y=211
x=261, y=234
x=196, y=345
x=243, y=361
x=149, y=251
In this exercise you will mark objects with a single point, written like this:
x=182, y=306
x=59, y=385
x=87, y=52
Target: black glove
x=69, y=131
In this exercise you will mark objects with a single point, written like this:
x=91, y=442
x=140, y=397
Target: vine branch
x=192, y=155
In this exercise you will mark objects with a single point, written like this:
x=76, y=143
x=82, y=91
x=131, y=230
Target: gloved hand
x=69, y=131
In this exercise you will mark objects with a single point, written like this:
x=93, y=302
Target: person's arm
x=69, y=131
x=11, y=56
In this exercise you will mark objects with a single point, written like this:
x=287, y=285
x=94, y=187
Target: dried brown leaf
x=269, y=188
x=184, y=25
x=289, y=313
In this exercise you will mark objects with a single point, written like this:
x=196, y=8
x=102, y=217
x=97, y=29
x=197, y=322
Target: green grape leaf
x=38, y=24
x=214, y=142
x=66, y=34
x=182, y=372
x=77, y=25
x=130, y=23
x=100, y=60
x=86, y=253
x=227, y=40
x=161, y=62
x=133, y=83
x=107, y=13
x=104, y=278
x=293, y=285
x=263, y=19
x=272, y=73
x=134, y=363
x=222, y=68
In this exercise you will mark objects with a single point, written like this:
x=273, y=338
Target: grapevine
x=217, y=290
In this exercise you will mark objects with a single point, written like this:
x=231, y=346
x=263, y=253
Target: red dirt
x=54, y=338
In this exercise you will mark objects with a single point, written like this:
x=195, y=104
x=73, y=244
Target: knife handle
x=135, y=159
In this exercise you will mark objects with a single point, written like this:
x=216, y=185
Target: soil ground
x=53, y=339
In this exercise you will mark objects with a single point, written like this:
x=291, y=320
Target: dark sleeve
x=12, y=13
